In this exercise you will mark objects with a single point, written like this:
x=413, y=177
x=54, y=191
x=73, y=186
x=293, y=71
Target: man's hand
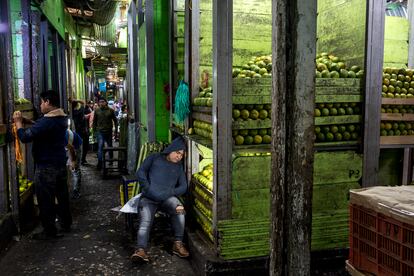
x=18, y=119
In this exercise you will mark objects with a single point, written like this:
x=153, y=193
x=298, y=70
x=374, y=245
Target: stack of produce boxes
x=382, y=231
x=246, y=233
x=397, y=110
x=338, y=117
x=337, y=124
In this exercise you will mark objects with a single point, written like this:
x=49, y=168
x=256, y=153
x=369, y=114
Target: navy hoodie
x=160, y=178
x=48, y=137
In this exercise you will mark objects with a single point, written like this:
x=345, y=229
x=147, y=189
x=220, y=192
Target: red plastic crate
x=380, y=244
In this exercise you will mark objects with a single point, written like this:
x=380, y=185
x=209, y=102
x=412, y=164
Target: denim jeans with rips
x=146, y=213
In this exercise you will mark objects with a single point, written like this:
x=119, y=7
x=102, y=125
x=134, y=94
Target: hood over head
x=177, y=144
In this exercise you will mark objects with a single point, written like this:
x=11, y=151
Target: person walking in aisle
x=103, y=122
x=50, y=179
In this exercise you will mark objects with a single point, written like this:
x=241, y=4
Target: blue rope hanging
x=182, y=102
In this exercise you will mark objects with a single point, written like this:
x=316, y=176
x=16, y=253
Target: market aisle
x=98, y=243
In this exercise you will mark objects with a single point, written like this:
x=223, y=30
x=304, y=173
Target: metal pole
x=374, y=57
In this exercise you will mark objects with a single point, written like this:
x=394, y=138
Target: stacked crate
x=338, y=124
x=246, y=233
x=382, y=230
x=397, y=110
x=251, y=112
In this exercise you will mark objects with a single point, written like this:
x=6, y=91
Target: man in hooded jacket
x=49, y=155
x=162, y=179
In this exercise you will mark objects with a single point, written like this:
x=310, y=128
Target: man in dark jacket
x=50, y=180
x=162, y=180
x=102, y=126
x=79, y=112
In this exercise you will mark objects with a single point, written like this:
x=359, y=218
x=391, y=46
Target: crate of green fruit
x=337, y=135
x=397, y=133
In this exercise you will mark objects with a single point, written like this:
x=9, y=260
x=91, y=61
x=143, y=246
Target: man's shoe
x=43, y=236
x=139, y=256
x=180, y=250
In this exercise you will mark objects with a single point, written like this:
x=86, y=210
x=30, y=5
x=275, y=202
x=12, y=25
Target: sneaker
x=139, y=256
x=43, y=236
x=180, y=250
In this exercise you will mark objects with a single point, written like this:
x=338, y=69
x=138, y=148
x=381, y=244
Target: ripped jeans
x=146, y=212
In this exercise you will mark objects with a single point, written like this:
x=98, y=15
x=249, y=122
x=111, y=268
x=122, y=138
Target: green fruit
x=338, y=136
x=333, y=111
x=249, y=106
x=351, y=128
x=243, y=132
x=239, y=140
x=360, y=74
x=325, y=74
x=258, y=107
x=355, y=68
x=343, y=73
x=317, y=112
x=267, y=139
x=349, y=111
x=263, y=114
x=236, y=113
x=351, y=74
x=320, y=137
x=329, y=137
x=341, y=128
x=257, y=139
x=334, y=74
x=254, y=114
x=334, y=129
x=325, y=112
x=321, y=67
x=326, y=129
x=346, y=136
x=317, y=129
x=244, y=114
x=253, y=132
x=341, y=111
x=248, y=140
x=262, y=132
x=383, y=132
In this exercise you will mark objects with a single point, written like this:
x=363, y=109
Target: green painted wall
x=341, y=29
x=248, y=15
x=396, y=42
x=162, y=70
x=55, y=13
x=143, y=83
x=17, y=48
x=80, y=77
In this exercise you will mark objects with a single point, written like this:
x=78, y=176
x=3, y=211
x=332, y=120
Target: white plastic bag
x=132, y=205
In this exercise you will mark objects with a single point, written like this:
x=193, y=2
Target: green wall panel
x=143, y=83
x=396, y=42
x=337, y=167
x=341, y=29
x=162, y=69
x=251, y=172
x=248, y=15
x=55, y=13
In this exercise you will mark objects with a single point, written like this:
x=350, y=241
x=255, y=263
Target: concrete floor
x=98, y=243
